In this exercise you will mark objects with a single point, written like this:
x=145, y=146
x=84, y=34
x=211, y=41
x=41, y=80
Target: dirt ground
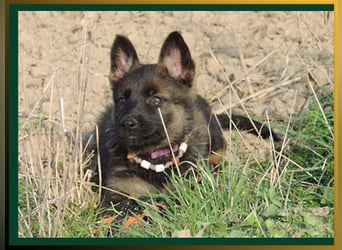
x=260, y=50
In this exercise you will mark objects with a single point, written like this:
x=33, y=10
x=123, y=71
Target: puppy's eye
x=121, y=99
x=124, y=96
x=155, y=100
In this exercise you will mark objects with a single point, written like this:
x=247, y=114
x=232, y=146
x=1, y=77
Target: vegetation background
x=273, y=66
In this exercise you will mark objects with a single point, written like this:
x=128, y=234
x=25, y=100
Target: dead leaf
x=320, y=211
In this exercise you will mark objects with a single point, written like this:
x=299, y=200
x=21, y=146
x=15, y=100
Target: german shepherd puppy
x=158, y=121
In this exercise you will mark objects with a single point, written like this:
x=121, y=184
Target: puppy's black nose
x=129, y=123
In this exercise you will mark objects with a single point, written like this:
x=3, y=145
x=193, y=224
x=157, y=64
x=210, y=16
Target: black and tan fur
x=133, y=123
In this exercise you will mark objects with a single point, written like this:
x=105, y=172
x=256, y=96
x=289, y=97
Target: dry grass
x=52, y=162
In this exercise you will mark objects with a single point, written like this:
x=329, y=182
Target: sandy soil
x=270, y=46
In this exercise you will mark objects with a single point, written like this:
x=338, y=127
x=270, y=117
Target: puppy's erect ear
x=176, y=59
x=123, y=57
